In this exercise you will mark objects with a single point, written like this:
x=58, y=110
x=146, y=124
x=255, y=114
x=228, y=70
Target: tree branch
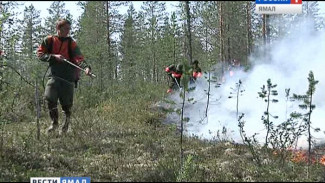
x=5, y=65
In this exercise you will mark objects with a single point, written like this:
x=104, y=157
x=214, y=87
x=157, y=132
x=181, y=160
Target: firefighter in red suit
x=175, y=73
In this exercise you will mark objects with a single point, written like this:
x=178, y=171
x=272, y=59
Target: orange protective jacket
x=59, y=45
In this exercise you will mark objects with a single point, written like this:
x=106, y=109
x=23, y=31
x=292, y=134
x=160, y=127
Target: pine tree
x=154, y=12
x=113, y=21
x=31, y=38
x=175, y=33
x=143, y=48
x=93, y=41
x=9, y=39
x=266, y=94
x=31, y=24
x=128, y=48
x=311, y=10
x=308, y=105
x=56, y=11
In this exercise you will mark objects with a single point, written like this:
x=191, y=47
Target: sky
x=322, y=7
x=76, y=11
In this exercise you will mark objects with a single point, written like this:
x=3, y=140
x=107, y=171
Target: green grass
x=116, y=136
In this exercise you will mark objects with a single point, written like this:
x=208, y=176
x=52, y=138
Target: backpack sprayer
x=91, y=74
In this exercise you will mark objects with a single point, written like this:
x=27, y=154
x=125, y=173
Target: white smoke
x=290, y=61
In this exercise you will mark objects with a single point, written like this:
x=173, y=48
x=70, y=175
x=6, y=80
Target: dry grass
x=117, y=137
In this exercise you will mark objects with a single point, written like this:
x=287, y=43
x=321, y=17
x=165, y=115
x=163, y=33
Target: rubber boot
x=67, y=114
x=54, y=115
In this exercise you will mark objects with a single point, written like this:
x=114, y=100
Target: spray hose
x=90, y=74
x=177, y=84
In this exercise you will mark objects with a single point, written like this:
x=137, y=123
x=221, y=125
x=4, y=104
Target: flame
x=322, y=160
x=302, y=156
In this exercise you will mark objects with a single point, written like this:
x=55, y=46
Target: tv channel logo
x=60, y=180
x=278, y=6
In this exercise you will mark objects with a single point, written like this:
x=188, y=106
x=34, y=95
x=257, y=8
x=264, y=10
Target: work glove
x=197, y=74
x=176, y=75
x=88, y=71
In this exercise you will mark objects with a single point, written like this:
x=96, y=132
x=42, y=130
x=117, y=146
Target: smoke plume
x=289, y=62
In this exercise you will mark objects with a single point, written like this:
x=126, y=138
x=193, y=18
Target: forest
x=122, y=128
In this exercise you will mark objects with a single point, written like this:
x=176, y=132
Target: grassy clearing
x=117, y=137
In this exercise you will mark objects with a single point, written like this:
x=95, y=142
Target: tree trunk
x=309, y=132
x=101, y=85
x=188, y=18
x=268, y=32
x=209, y=77
x=182, y=128
x=174, y=47
x=1, y=48
x=264, y=29
x=109, y=40
x=116, y=63
x=153, y=56
x=228, y=44
x=38, y=110
x=31, y=39
x=249, y=33
x=221, y=44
